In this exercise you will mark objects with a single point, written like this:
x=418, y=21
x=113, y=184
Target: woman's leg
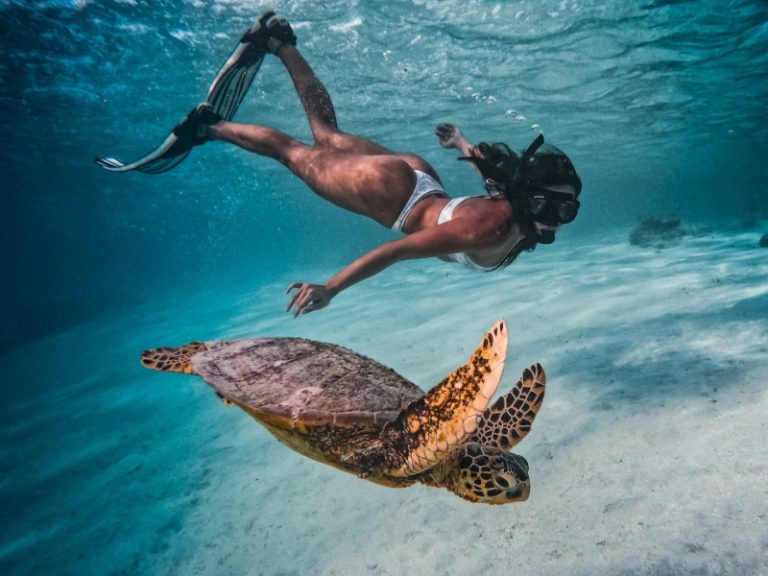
x=351, y=172
x=319, y=107
x=261, y=140
x=374, y=185
x=322, y=116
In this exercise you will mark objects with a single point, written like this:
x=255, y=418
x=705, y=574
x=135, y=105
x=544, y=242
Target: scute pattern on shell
x=305, y=381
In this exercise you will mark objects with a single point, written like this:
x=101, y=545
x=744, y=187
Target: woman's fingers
x=306, y=298
x=311, y=307
x=295, y=296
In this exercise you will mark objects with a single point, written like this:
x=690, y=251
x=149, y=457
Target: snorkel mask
x=528, y=180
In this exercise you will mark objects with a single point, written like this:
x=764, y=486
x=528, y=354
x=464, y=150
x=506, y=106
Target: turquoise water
x=110, y=469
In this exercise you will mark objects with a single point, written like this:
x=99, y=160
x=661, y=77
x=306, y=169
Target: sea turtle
x=343, y=409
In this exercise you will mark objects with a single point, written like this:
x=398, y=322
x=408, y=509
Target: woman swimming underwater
x=529, y=196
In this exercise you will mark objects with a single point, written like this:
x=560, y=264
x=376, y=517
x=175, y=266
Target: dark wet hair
x=549, y=166
x=538, y=167
x=496, y=162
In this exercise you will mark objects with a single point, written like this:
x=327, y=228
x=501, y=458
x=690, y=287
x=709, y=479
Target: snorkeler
x=528, y=196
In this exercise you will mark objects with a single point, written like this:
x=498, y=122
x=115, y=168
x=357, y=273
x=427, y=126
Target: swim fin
x=224, y=98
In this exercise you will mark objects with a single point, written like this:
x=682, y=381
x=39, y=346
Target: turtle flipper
x=176, y=359
x=509, y=420
x=431, y=427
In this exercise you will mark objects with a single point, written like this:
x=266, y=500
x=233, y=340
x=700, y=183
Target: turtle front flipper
x=509, y=420
x=172, y=359
x=431, y=427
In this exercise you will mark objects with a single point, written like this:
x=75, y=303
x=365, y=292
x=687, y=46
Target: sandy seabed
x=648, y=457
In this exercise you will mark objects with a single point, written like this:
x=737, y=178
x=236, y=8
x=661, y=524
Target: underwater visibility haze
x=649, y=454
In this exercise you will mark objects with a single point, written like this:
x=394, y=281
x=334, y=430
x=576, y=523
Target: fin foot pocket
x=192, y=131
x=271, y=32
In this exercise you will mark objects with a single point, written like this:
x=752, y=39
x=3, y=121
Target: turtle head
x=489, y=475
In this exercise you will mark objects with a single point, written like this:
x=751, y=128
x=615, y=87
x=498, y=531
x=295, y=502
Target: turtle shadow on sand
x=350, y=412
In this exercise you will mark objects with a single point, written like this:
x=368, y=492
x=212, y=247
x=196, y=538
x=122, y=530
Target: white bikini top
x=446, y=215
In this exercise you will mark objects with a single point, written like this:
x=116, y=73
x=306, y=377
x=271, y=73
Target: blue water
x=107, y=469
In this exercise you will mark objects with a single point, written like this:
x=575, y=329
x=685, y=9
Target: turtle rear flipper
x=427, y=430
x=172, y=359
x=509, y=420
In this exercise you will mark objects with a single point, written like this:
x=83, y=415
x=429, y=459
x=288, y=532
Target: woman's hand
x=449, y=136
x=307, y=298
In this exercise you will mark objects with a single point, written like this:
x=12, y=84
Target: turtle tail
x=172, y=359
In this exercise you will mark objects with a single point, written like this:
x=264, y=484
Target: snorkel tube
x=502, y=169
x=533, y=147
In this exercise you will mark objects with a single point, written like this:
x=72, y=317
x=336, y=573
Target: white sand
x=649, y=455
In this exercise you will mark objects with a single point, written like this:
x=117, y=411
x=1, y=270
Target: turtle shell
x=296, y=383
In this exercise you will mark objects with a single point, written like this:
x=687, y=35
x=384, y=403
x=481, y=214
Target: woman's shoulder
x=488, y=218
x=494, y=209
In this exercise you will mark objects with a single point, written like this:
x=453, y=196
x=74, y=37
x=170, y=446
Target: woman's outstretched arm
x=459, y=235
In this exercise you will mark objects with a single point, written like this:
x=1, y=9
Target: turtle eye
x=513, y=494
